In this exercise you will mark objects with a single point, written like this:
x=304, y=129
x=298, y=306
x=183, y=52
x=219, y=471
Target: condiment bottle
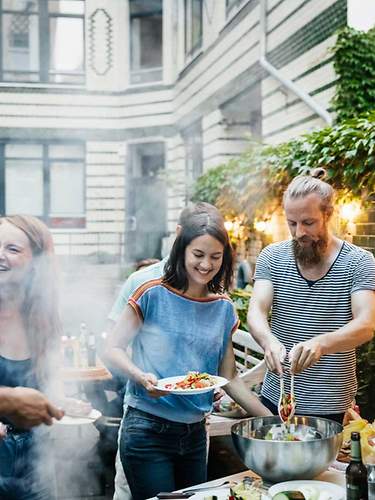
x=356, y=472
x=68, y=352
x=83, y=345
x=371, y=481
x=91, y=350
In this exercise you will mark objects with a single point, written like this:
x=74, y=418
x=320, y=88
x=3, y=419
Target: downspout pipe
x=286, y=82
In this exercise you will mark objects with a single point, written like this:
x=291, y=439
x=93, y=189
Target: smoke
x=87, y=293
x=66, y=451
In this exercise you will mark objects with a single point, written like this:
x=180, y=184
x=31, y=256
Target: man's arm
x=358, y=331
x=257, y=317
x=26, y=407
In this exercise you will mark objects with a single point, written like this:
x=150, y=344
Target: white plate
x=89, y=419
x=219, y=382
x=336, y=492
x=220, y=493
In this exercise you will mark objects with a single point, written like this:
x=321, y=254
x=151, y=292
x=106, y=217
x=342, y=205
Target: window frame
x=77, y=221
x=191, y=49
x=132, y=71
x=44, y=72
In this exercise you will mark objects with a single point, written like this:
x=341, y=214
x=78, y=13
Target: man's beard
x=310, y=255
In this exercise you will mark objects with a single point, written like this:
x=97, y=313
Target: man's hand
x=274, y=355
x=26, y=407
x=304, y=355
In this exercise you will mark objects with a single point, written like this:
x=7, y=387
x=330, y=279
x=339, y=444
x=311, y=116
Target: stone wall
x=365, y=230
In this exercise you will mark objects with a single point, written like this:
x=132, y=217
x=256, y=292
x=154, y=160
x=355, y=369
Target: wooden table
x=217, y=482
x=96, y=373
x=330, y=476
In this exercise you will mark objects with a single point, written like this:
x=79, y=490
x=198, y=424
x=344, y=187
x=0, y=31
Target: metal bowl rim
x=239, y=424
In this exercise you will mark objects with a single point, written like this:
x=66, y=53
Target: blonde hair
x=303, y=185
x=40, y=304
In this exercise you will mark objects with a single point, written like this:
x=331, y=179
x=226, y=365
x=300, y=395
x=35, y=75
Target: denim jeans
x=161, y=455
x=26, y=473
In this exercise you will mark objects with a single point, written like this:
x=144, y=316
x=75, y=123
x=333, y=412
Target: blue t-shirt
x=178, y=334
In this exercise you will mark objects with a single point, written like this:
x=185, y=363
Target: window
x=46, y=180
x=42, y=41
x=146, y=40
x=193, y=25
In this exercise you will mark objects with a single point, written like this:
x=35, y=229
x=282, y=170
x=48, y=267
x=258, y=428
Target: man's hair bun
x=318, y=173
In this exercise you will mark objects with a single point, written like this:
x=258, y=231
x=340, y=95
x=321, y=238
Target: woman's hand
x=3, y=431
x=149, y=382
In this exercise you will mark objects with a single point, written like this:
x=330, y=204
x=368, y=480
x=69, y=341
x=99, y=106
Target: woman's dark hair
x=198, y=225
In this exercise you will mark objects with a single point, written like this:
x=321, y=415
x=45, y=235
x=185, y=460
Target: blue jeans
x=26, y=473
x=161, y=455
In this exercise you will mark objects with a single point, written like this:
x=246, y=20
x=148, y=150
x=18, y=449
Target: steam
x=86, y=294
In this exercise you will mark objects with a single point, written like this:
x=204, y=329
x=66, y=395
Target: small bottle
x=91, y=350
x=371, y=481
x=356, y=472
x=69, y=352
x=83, y=345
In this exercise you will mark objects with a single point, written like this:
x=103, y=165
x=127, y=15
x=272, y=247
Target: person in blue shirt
x=182, y=322
x=136, y=279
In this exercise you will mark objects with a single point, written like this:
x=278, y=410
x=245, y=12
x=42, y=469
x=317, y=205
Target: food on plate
x=193, y=380
x=225, y=406
x=289, y=495
x=248, y=489
x=76, y=407
x=367, y=433
x=287, y=404
x=305, y=492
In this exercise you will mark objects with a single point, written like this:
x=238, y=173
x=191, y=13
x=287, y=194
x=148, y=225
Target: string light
x=350, y=211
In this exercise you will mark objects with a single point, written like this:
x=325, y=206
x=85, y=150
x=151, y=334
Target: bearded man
x=320, y=291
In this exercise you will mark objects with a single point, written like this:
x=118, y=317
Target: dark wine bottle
x=356, y=472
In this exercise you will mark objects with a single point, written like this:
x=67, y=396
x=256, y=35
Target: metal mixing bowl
x=277, y=461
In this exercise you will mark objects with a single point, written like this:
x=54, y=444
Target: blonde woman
x=29, y=335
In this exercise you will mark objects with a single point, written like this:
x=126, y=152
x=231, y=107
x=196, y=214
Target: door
x=146, y=221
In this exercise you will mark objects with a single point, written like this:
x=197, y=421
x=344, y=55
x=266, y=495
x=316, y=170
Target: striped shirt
x=303, y=309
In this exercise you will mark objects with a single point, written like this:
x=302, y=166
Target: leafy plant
x=253, y=183
x=366, y=379
x=354, y=63
x=241, y=299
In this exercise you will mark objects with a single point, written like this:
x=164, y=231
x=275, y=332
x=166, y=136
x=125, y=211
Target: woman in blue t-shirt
x=29, y=330
x=182, y=322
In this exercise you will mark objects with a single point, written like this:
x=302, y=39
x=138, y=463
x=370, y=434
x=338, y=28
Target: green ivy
x=241, y=299
x=253, y=183
x=354, y=63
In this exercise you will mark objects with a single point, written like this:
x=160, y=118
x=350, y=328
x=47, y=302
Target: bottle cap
x=355, y=436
